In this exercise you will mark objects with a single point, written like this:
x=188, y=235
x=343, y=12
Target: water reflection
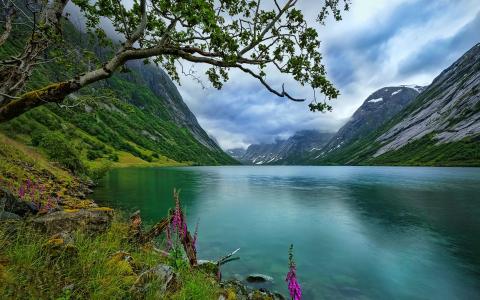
x=359, y=232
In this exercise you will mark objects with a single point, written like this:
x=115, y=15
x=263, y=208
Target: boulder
x=124, y=261
x=58, y=244
x=209, y=267
x=260, y=295
x=92, y=220
x=259, y=278
x=235, y=290
x=8, y=216
x=161, y=276
x=12, y=204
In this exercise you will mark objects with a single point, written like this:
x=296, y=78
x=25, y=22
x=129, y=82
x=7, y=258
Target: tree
x=248, y=35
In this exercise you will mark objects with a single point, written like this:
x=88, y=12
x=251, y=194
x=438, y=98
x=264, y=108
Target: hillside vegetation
x=134, y=118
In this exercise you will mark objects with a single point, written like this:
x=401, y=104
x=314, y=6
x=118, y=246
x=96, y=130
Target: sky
x=378, y=43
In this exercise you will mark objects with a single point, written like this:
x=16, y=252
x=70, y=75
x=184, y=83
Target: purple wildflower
x=184, y=232
x=293, y=286
x=21, y=192
x=195, y=234
x=177, y=221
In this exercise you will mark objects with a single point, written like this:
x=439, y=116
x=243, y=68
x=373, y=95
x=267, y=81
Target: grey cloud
x=440, y=53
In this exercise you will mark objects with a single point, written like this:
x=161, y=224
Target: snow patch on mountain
x=396, y=92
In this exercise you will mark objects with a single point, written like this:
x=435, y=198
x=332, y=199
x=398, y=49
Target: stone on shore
x=12, y=204
x=92, y=220
x=161, y=276
x=8, y=216
x=235, y=290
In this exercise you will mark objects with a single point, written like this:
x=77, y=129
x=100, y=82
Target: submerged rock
x=92, y=220
x=259, y=278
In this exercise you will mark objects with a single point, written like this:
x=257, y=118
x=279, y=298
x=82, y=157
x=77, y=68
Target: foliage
x=20, y=163
x=248, y=35
x=27, y=271
x=58, y=149
x=125, y=114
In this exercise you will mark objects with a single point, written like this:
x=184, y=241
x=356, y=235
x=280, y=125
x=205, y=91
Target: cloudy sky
x=378, y=43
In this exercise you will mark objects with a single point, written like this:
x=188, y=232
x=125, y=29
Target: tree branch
x=269, y=88
x=8, y=25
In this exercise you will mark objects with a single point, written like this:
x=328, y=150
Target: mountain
x=441, y=126
x=137, y=116
x=287, y=151
x=375, y=111
x=236, y=153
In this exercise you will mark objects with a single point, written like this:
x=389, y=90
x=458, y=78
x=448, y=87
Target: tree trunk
x=53, y=93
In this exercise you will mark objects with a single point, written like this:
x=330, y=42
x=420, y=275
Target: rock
x=93, y=220
x=125, y=261
x=208, y=267
x=278, y=296
x=235, y=290
x=161, y=275
x=260, y=295
x=8, y=216
x=258, y=278
x=12, y=204
x=58, y=244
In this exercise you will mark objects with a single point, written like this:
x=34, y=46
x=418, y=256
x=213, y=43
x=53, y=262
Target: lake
x=358, y=232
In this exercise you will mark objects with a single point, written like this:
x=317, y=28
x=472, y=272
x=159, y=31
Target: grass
x=126, y=159
x=28, y=270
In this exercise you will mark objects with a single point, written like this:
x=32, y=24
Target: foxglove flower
x=21, y=192
x=195, y=234
x=291, y=279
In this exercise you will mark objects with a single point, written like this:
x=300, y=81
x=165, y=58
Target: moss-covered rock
x=60, y=244
x=93, y=220
x=208, y=267
x=161, y=276
x=235, y=290
x=12, y=204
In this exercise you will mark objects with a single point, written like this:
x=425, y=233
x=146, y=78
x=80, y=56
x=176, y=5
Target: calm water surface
x=359, y=232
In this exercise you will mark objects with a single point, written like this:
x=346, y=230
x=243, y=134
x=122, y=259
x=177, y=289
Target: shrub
x=97, y=171
x=60, y=150
x=37, y=136
x=93, y=155
x=113, y=157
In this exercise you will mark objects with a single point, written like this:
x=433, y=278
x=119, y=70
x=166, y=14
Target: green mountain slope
x=441, y=127
x=137, y=117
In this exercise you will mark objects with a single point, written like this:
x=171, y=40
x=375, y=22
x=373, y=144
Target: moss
x=104, y=267
x=101, y=209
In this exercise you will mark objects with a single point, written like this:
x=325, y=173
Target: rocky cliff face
x=375, y=111
x=449, y=108
x=440, y=126
x=287, y=151
x=162, y=86
x=236, y=153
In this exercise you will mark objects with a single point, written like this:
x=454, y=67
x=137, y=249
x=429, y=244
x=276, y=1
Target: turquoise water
x=358, y=232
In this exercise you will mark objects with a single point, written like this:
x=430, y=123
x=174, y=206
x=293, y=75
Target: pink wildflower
x=21, y=192
x=195, y=234
x=293, y=286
